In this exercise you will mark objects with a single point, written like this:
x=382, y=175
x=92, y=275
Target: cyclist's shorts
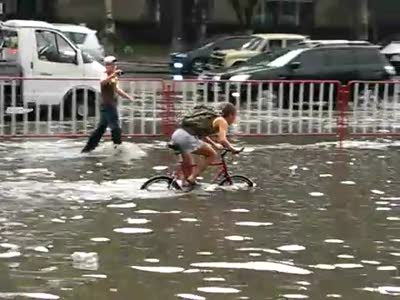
x=185, y=141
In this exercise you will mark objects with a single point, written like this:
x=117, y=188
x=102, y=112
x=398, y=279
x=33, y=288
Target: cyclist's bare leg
x=187, y=164
x=209, y=156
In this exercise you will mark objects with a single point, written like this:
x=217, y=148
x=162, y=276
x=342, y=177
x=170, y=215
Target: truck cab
x=44, y=67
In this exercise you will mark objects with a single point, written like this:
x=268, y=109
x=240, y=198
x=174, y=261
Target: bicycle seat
x=174, y=148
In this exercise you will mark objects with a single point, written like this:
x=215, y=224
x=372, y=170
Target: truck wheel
x=80, y=109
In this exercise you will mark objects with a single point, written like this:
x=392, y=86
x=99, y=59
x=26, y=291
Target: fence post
x=168, y=118
x=343, y=102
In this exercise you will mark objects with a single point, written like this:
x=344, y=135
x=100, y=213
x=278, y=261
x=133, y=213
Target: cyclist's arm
x=222, y=134
x=213, y=143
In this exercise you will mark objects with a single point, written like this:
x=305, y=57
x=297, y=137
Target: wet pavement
x=322, y=223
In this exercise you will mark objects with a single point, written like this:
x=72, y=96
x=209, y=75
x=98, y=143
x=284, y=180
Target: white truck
x=48, y=69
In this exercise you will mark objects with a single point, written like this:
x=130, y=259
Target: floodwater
x=322, y=223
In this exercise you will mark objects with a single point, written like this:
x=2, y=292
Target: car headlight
x=390, y=70
x=178, y=65
x=243, y=77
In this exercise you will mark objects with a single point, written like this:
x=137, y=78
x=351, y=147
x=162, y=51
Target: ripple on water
x=254, y=224
x=132, y=230
x=316, y=194
x=218, y=290
x=158, y=269
x=100, y=239
x=294, y=296
x=133, y=221
x=256, y=266
x=190, y=297
x=122, y=205
x=291, y=248
x=10, y=254
x=29, y=295
x=238, y=238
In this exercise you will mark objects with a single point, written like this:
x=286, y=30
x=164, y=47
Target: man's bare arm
x=121, y=93
x=222, y=134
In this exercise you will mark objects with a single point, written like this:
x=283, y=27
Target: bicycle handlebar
x=226, y=151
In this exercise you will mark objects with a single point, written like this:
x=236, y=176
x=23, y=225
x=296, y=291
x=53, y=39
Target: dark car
x=193, y=62
x=342, y=63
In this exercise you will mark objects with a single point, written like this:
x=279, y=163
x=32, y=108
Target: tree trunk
x=363, y=33
x=177, y=30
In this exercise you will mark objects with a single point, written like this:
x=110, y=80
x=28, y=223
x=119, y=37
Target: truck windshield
x=8, y=44
x=252, y=45
x=285, y=59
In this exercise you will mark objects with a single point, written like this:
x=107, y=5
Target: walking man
x=108, y=108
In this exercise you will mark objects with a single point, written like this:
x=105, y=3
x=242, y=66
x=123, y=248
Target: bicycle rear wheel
x=161, y=183
x=237, y=180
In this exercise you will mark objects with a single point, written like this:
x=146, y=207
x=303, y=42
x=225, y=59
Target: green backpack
x=199, y=121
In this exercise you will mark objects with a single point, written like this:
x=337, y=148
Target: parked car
x=37, y=52
x=342, y=63
x=85, y=38
x=193, y=62
x=392, y=53
x=259, y=44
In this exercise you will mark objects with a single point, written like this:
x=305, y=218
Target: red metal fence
x=70, y=107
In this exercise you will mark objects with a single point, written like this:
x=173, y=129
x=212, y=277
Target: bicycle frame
x=223, y=171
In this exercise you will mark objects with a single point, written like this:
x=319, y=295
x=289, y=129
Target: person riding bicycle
x=203, y=140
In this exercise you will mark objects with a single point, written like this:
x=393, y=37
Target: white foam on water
x=305, y=283
x=240, y=210
x=371, y=262
x=132, y=230
x=256, y=266
x=190, y=297
x=41, y=249
x=10, y=254
x=122, y=205
x=377, y=192
x=316, y=194
x=391, y=198
x=152, y=260
x=348, y=182
x=85, y=261
x=9, y=246
x=160, y=168
x=384, y=290
x=126, y=152
x=325, y=175
x=215, y=279
x=49, y=269
x=189, y=220
x=345, y=256
x=40, y=172
x=295, y=296
x=397, y=254
x=291, y=248
x=386, y=268
x=218, y=290
x=238, y=238
x=323, y=267
x=254, y=254
x=56, y=220
x=333, y=296
x=382, y=202
x=383, y=208
x=100, y=239
x=147, y=212
x=133, y=221
x=159, y=269
x=204, y=253
x=334, y=241
x=349, y=266
x=78, y=217
x=393, y=218
x=254, y=224
x=271, y=251
x=96, y=276
x=191, y=271
x=29, y=295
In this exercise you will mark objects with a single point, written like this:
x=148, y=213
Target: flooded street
x=322, y=223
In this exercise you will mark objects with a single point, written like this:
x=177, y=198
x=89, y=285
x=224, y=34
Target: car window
x=369, y=57
x=53, y=47
x=9, y=45
x=286, y=58
x=76, y=38
x=291, y=43
x=233, y=43
x=253, y=44
x=275, y=44
x=311, y=58
x=340, y=57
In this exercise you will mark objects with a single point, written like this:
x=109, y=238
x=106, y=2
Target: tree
x=109, y=27
x=244, y=10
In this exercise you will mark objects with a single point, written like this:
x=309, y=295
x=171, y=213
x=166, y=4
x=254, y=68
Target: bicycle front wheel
x=161, y=183
x=237, y=180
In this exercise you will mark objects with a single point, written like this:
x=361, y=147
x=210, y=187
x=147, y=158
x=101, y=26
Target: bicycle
x=222, y=178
